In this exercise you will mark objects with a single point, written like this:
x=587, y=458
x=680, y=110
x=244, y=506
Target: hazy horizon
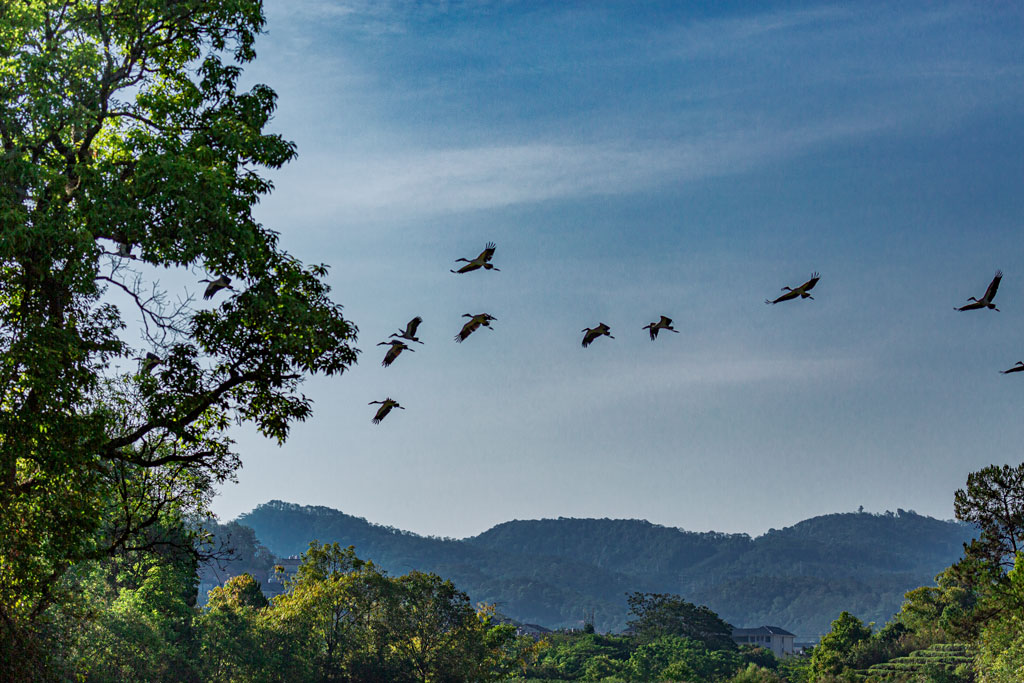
x=628, y=519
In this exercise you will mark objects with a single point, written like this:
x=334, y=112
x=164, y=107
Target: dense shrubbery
x=341, y=619
x=593, y=657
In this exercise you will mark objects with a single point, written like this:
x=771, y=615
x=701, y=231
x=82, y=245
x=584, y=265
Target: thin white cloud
x=432, y=182
x=371, y=16
x=733, y=34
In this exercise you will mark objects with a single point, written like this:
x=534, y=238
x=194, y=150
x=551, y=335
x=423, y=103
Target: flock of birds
x=397, y=341
x=590, y=334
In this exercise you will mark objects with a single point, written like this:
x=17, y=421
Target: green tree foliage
x=756, y=674
x=343, y=619
x=994, y=502
x=132, y=618
x=661, y=614
x=836, y=649
x=127, y=149
x=942, y=613
x=595, y=657
x=677, y=658
x=1001, y=642
x=323, y=616
x=438, y=634
x=233, y=635
x=795, y=669
x=568, y=656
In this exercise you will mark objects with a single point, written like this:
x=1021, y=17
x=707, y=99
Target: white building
x=778, y=640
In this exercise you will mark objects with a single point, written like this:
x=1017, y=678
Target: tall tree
x=437, y=634
x=233, y=644
x=128, y=149
x=836, y=649
x=662, y=614
x=994, y=502
x=343, y=619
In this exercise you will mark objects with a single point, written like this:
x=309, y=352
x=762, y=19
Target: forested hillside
x=553, y=571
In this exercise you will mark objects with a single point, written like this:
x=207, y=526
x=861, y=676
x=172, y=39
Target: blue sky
x=638, y=159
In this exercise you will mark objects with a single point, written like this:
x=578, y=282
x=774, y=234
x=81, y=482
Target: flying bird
x=410, y=330
x=481, y=261
x=385, y=407
x=223, y=282
x=663, y=324
x=475, y=321
x=1016, y=368
x=800, y=291
x=985, y=301
x=396, y=348
x=150, y=361
x=593, y=333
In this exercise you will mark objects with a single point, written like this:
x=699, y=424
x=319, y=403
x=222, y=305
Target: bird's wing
x=654, y=332
x=488, y=253
x=971, y=306
x=665, y=322
x=591, y=335
x=809, y=285
x=410, y=329
x=792, y=294
x=467, y=330
x=993, y=286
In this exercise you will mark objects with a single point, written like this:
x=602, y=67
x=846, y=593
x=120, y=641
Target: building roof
x=761, y=631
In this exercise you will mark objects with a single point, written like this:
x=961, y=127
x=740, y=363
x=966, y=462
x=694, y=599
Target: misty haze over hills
x=553, y=571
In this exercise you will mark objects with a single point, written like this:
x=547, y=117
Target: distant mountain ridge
x=552, y=571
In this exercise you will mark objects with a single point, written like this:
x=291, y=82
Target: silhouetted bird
x=410, y=330
x=396, y=348
x=1016, y=368
x=593, y=333
x=800, y=291
x=385, y=407
x=150, y=361
x=223, y=282
x=663, y=324
x=475, y=321
x=985, y=301
x=481, y=261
